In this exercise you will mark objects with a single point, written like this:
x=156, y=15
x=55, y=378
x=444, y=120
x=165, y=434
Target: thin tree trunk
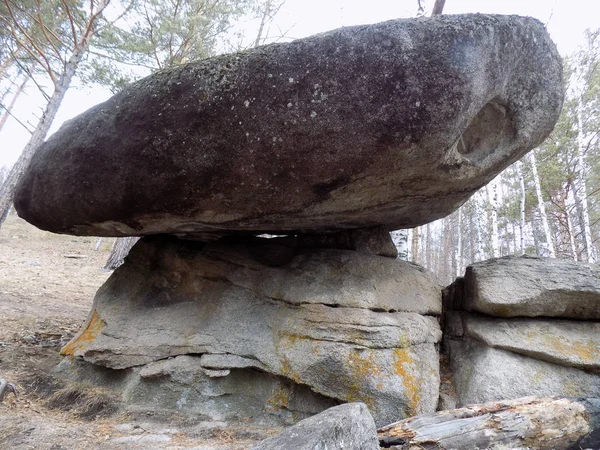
x=581, y=191
x=571, y=228
x=492, y=193
x=263, y=21
x=119, y=251
x=541, y=206
x=522, y=221
x=8, y=109
x=8, y=187
x=415, y=245
x=438, y=7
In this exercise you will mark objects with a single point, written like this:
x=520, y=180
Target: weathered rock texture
x=263, y=321
x=394, y=124
x=495, y=358
x=344, y=427
x=527, y=286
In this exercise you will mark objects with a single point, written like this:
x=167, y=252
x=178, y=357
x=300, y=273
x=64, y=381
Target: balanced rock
x=394, y=124
x=251, y=326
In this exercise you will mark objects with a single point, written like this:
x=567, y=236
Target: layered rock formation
x=516, y=339
x=339, y=324
x=394, y=124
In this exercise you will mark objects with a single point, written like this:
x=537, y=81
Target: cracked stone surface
x=527, y=286
x=394, y=124
x=339, y=324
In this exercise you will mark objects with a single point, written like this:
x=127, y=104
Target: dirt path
x=47, y=283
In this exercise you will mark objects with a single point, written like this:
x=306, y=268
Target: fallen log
x=530, y=422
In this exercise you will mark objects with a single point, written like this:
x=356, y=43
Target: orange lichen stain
x=280, y=398
x=85, y=337
x=411, y=383
x=362, y=366
x=586, y=353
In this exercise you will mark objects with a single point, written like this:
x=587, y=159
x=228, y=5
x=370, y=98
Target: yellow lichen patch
x=361, y=367
x=85, y=337
x=585, y=352
x=412, y=384
x=280, y=398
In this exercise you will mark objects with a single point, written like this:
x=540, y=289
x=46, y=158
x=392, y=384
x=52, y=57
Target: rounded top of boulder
x=394, y=124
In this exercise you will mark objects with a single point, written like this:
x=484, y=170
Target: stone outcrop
x=326, y=325
x=344, y=427
x=527, y=286
x=393, y=125
x=540, y=353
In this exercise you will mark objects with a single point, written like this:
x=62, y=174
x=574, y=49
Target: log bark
x=119, y=251
x=540, y=423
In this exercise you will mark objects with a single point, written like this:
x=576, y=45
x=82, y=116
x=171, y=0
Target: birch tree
x=541, y=205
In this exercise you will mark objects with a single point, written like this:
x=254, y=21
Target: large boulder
x=344, y=427
x=243, y=326
x=394, y=124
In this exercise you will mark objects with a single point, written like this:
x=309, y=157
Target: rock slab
x=527, y=286
x=344, y=427
x=394, y=125
x=319, y=327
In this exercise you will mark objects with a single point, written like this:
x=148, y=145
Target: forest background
x=58, y=57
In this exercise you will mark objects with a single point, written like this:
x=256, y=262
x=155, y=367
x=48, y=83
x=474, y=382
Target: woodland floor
x=47, y=283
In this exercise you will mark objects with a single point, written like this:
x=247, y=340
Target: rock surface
x=343, y=325
x=566, y=342
x=527, y=286
x=394, y=124
x=344, y=427
x=485, y=374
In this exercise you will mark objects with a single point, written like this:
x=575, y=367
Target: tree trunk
x=570, y=206
x=438, y=7
x=415, y=245
x=540, y=423
x=492, y=193
x=8, y=187
x=119, y=251
x=542, y=207
x=400, y=239
x=522, y=221
x=581, y=191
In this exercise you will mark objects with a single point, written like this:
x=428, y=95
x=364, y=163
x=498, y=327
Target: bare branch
x=71, y=22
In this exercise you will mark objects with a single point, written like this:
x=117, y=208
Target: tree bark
x=119, y=251
x=540, y=423
x=541, y=206
x=492, y=193
x=522, y=209
x=581, y=191
x=438, y=7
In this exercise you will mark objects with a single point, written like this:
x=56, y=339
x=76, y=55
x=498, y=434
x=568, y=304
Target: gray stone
x=485, y=374
x=344, y=325
x=527, y=286
x=394, y=125
x=344, y=427
x=565, y=342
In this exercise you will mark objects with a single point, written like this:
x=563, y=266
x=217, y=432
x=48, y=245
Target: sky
x=566, y=21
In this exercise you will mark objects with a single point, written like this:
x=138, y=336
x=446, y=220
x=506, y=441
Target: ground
x=47, y=283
